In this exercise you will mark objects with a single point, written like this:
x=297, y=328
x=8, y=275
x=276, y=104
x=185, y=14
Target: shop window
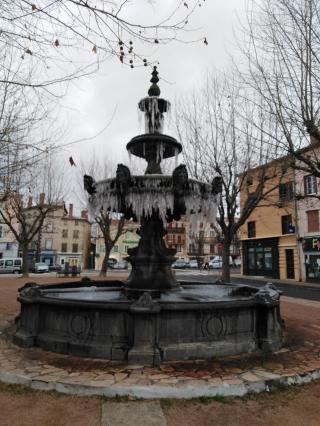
x=313, y=220
x=285, y=192
x=286, y=224
x=251, y=229
x=310, y=185
x=64, y=247
x=74, y=248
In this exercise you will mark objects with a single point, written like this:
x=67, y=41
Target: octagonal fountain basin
x=97, y=319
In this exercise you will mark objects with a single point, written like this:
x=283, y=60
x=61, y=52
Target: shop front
x=261, y=257
x=311, y=249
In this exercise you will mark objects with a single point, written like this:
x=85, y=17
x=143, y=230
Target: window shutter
x=313, y=220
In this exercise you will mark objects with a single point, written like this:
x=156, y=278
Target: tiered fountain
x=151, y=316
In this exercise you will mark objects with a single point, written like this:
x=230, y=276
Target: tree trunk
x=104, y=266
x=225, y=276
x=25, y=263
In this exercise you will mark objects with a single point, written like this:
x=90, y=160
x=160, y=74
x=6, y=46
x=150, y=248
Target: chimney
x=41, y=199
x=30, y=202
x=70, y=210
x=84, y=214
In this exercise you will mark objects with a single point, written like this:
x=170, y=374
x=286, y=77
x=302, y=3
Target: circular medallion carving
x=214, y=326
x=80, y=325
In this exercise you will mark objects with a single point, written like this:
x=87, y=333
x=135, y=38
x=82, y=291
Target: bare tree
x=216, y=124
x=111, y=224
x=24, y=207
x=283, y=58
x=49, y=34
x=111, y=227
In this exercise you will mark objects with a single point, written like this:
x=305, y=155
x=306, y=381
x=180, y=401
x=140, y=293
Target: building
x=206, y=241
x=8, y=243
x=177, y=238
x=268, y=237
x=63, y=238
x=128, y=239
x=308, y=221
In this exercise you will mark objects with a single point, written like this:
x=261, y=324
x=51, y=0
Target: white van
x=11, y=265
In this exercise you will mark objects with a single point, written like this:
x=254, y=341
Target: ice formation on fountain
x=155, y=192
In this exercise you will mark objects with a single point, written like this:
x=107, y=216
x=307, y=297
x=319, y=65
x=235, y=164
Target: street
x=297, y=290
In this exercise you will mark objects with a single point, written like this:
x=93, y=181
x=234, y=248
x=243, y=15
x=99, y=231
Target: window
x=76, y=222
x=212, y=234
x=48, y=244
x=211, y=248
x=64, y=233
x=179, y=239
x=201, y=234
x=74, y=248
x=1, y=230
x=286, y=224
x=249, y=180
x=49, y=227
x=285, y=192
x=75, y=233
x=313, y=220
x=251, y=229
x=310, y=185
x=126, y=249
x=17, y=262
x=116, y=249
x=178, y=247
x=64, y=247
x=9, y=262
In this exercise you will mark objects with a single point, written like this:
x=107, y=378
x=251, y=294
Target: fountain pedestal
x=151, y=261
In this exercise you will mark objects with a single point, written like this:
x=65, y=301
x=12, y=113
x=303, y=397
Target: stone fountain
x=151, y=316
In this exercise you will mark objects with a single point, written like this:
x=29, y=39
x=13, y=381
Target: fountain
x=151, y=316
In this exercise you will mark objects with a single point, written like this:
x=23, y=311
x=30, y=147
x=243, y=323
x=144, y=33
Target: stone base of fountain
x=96, y=319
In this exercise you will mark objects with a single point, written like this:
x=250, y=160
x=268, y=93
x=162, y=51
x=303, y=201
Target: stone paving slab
x=147, y=413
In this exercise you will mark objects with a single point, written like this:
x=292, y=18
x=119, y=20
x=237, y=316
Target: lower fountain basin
x=96, y=319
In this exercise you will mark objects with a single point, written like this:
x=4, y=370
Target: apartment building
x=268, y=238
x=63, y=238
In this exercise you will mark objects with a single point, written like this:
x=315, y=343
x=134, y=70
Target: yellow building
x=268, y=237
x=128, y=239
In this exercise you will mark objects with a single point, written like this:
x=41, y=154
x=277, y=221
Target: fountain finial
x=154, y=89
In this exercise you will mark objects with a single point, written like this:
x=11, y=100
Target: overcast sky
x=114, y=92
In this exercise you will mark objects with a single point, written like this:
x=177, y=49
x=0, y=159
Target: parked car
x=111, y=262
x=193, y=264
x=237, y=262
x=12, y=265
x=180, y=264
x=40, y=267
x=216, y=262
x=122, y=264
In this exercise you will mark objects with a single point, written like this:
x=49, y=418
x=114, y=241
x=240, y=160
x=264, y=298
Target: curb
x=158, y=392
